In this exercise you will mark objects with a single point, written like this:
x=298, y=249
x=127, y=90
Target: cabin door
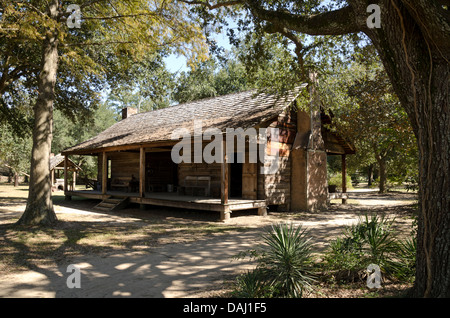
x=249, y=180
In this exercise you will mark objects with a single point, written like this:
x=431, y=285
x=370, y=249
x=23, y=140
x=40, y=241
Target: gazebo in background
x=57, y=164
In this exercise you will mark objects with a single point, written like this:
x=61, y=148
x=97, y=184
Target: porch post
x=344, y=179
x=52, y=175
x=65, y=173
x=66, y=165
x=74, y=179
x=104, y=172
x=225, y=213
x=142, y=172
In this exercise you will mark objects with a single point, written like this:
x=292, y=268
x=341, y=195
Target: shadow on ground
x=162, y=254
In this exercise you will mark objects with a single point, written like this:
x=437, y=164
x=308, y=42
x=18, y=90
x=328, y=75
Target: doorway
x=161, y=172
x=235, y=179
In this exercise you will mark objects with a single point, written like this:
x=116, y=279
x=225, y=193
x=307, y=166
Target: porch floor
x=174, y=199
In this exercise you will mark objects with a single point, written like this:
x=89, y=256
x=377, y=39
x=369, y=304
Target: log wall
x=276, y=188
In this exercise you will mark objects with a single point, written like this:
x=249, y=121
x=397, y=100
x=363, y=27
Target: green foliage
x=284, y=265
x=336, y=179
x=252, y=284
x=367, y=112
x=287, y=260
x=404, y=266
x=15, y=149
x=371, y=241
x=115, y=45
x=67, y=133
x=269, y=63
x=15, y=130
x=150, y=88
x=210, y=79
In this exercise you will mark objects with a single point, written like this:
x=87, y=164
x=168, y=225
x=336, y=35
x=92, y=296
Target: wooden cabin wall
x=123, y=165
x=202, y=169
x=248, y=179
x=212, y=170
x=276, y=188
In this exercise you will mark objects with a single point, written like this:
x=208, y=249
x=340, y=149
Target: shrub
x=404, y=265
x=370, y=241
x=252, y=284
x=336, y=179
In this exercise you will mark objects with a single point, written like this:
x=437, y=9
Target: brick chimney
x=128, y=111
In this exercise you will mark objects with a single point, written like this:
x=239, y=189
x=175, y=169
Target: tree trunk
x=433, y=258
x=10, y=175
x=420, y=74
x=382, y=170
x=16, y=179
x=370, y=175
x=39, y=209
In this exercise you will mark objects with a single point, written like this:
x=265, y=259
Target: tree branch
x=214, y=6
x=271, y=28
x=337, y=22
x=98, y=43
x=122, y=16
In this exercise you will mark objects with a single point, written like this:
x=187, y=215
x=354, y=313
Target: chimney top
x=128, y=111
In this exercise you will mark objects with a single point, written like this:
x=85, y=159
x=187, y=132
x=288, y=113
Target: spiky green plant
x=286, y=260
x=284, y=264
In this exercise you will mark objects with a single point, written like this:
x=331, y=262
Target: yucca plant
x=379, y=238
x=286, y=260
x=284, y=263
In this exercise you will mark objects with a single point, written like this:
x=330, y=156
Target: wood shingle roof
x=245, y=110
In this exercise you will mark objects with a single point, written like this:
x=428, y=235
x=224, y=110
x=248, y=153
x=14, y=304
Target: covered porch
x=145, y=174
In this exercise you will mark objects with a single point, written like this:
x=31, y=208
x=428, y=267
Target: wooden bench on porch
x=196, y=182
x=121, y=183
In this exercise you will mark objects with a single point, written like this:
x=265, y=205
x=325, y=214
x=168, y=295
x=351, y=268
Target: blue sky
x=176, y=63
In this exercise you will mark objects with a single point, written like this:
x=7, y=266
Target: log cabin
x=136, y=162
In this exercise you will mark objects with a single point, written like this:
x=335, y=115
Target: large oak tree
x=62, y=51
x=413, y=42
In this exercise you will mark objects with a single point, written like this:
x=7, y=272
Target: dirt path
x=196, y=268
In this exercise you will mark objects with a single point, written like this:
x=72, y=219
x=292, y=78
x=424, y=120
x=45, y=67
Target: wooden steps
x=111, y=203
